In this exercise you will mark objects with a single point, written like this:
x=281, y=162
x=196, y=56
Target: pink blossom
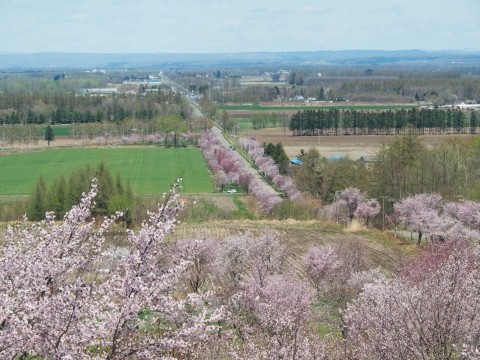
x=320, y=263
x=353, y=197
x=434, y=316
x=367, y=210
x=59, y=298
x=420, y=213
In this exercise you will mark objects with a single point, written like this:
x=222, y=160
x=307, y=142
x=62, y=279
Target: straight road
x=223, y=141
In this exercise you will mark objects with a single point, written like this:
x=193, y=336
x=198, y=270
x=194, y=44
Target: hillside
x=379, y=249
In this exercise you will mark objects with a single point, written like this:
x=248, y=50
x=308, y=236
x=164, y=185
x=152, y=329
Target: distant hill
x=42, y=61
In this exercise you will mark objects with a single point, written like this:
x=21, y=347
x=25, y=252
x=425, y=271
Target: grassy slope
x=149, y=170
x=380, y=249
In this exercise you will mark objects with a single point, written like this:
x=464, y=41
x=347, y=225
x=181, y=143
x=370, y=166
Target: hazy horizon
x=229, y=27
x=3, y=52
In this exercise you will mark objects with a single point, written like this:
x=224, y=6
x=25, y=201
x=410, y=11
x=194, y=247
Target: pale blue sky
x=206, y=26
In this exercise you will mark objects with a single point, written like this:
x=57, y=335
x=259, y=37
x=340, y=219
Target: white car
x=232, y=191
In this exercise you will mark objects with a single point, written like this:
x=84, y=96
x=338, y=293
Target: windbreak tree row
x=352, y=122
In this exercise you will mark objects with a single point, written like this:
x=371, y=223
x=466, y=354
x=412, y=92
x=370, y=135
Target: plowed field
x=353, y=146
x=379, y=250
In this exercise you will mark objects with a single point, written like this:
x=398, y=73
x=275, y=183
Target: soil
x=299, y=235
x=353, y=146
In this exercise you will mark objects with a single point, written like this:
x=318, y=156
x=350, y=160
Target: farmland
x=353, y=146
x=312, y=106
x=148, y=170
x=382, y=250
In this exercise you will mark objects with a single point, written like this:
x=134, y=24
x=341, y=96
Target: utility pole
x=383, y=213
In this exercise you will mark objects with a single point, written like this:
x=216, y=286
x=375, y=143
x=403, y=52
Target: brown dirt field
x=353, y=146
x=299, y=235
x=41, y=144
x=223, y=202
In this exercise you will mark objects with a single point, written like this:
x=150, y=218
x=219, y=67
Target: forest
x=383, y=84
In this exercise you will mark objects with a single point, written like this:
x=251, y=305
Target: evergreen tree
x=49, y=135
x=321, y=94
x=281, y=159
x=473, y=122
x=39, y=201
x=58, y=197
x=62, y=195
x=269, y=149
x=119, y=188
x=105, y=188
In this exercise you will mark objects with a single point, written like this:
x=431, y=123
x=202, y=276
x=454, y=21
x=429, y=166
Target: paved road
x=224, y=142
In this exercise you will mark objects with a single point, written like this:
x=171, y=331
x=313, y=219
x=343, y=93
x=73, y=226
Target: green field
x=58, y=130
x=343, y=106
x=149, y=170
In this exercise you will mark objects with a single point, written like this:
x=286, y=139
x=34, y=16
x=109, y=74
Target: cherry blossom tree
x=202, y=255
x=233, y=261
x=359, y=279
x=337, y=212
x=353, y=197
x=268, y=167
x=467, y=212
x=60, y=299
x=250, y=257
x=268, y=257
x=367, y=210
x=229, y=168
x=420, y=213
x=320, y=263
x=271, y=321
x=432, y=316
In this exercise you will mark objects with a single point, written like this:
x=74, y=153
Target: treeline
x=270, y=120
x=173, y=128
x=402, y=168
x=64, y=192
x=399, y=84
x=407, y=167
x=67, y=108
x=353, y=122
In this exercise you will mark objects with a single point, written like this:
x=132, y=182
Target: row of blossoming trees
x=229, y=168
x=66, y=293
x=267, y=166
x=428, y=215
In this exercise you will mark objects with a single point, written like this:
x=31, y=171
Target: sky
x=231, y=26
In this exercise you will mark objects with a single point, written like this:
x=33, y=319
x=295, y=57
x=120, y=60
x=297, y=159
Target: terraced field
x=379, y=249
x=149, y=170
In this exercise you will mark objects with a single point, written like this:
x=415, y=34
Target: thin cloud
x=313, y=10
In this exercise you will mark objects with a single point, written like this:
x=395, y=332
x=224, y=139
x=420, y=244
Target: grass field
x=58, y=130
x=149, y=170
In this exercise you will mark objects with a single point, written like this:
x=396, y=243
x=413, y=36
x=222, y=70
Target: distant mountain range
x=55, y=61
